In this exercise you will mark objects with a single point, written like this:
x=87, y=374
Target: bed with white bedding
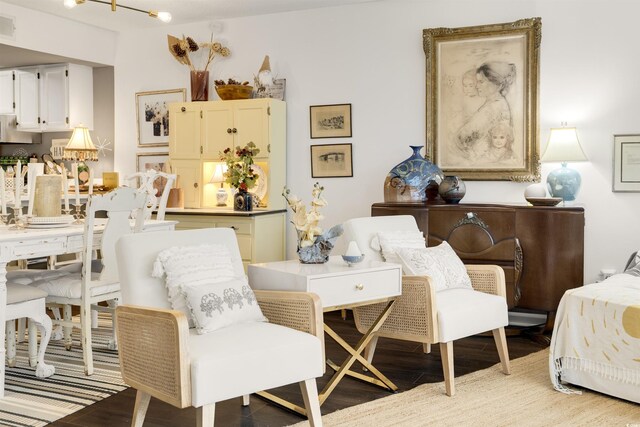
x=596, y=338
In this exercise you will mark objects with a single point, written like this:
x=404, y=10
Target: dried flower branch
x=180, y=49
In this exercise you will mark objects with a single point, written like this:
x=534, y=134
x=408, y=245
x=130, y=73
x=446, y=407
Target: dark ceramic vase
x=452, y=189
x=408, y=180
x=242, y=201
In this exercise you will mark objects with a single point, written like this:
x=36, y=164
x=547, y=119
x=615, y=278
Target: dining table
x=28, y=243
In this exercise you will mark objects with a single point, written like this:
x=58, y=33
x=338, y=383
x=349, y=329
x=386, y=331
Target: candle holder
x=78, y=215
x=4, y=218
x=19, y=220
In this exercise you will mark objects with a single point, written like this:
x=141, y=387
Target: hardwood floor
x=402, y=362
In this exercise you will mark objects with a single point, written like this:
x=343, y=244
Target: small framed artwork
x=152, y=115
x=482, y=100
x=626, y=163
x=157, y=161
x=330, y=121
x=331, y=161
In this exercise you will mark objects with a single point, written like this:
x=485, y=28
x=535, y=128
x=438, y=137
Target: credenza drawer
x=351, y=288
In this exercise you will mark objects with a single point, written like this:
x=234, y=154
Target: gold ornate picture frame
x=482, y=100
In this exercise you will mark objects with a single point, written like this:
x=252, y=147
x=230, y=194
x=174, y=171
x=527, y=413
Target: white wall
x=43, y=32
x=371, y=56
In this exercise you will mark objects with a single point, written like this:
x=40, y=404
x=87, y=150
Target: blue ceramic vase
x=408, y=180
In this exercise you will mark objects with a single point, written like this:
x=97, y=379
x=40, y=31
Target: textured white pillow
x=441, y=263
x=216, y=305
x=192, y=265
x=391, y=241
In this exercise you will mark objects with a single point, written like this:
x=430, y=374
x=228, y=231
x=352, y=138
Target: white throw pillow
x=441, y=263
x=192, y=265
x=216, y=305
x=391, y=241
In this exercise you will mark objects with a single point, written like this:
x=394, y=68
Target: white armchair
x=423, y=315
x=162, y=358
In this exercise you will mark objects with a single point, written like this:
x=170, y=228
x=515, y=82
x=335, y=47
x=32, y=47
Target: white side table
x=338, y=286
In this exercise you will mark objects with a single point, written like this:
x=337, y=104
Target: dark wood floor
x=403, y=362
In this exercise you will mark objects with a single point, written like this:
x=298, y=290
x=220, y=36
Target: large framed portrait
x=482, y=100
x=152, y=114
x=626, y=163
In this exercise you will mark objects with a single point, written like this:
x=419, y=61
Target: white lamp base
x=221, y=197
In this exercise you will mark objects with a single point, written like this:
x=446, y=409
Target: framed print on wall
x=157, y=161
x=626, y=163
x=482, y=100
x=152, y=115
x=330, y=121
x=331, y=161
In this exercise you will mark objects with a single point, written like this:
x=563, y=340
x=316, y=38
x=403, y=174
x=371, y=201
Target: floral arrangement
x=306, y=223
x=313, y=245
x=181, y=49
x=239, y=172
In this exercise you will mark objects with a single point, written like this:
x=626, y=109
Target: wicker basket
x=229, y=92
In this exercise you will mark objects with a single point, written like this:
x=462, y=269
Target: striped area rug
x=30, y=401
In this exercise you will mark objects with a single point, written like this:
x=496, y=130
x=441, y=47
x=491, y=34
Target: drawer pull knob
x=229, y=130
x=359, y=286
x=233, y=227
x=183, y=109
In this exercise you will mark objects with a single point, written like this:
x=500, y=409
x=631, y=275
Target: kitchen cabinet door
x=27, y=97
x=6, y=92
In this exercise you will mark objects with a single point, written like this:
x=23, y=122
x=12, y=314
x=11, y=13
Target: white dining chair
x=150, y=182
x=87, y=288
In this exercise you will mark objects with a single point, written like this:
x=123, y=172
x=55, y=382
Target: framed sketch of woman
x=482, y=100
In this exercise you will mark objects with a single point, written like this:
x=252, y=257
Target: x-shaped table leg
x=343, y=370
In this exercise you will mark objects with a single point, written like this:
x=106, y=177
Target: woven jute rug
x=490, y=398
x=31, y=401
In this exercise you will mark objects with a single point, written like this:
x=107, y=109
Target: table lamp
x=563, y=147
x=219, y=178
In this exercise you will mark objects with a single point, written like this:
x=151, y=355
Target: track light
x=163, y=16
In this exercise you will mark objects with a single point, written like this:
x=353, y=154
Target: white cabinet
x=51, y=98
x=27, y=98
x=7, y=105
x=201, y=130
x=260, y=234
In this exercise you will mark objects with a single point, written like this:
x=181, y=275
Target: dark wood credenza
x=541, y=249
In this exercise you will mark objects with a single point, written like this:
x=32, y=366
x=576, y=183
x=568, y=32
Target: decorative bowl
x=544, y=201
x=230, y=92
x=352, y=259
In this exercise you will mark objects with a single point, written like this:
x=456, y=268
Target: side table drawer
x=356, y=288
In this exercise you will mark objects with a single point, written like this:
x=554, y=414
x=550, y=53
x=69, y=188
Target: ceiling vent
x=7, y=27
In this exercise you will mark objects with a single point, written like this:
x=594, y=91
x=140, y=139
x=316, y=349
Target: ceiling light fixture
x=163, y=16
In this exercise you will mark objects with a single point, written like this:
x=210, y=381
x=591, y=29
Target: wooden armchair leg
x=245, y=400
x=446, y=354
x=205, y=415
x=503, y=351
x=140, y=408
x=426, y=347
x=311, y=403
x=371, y=348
